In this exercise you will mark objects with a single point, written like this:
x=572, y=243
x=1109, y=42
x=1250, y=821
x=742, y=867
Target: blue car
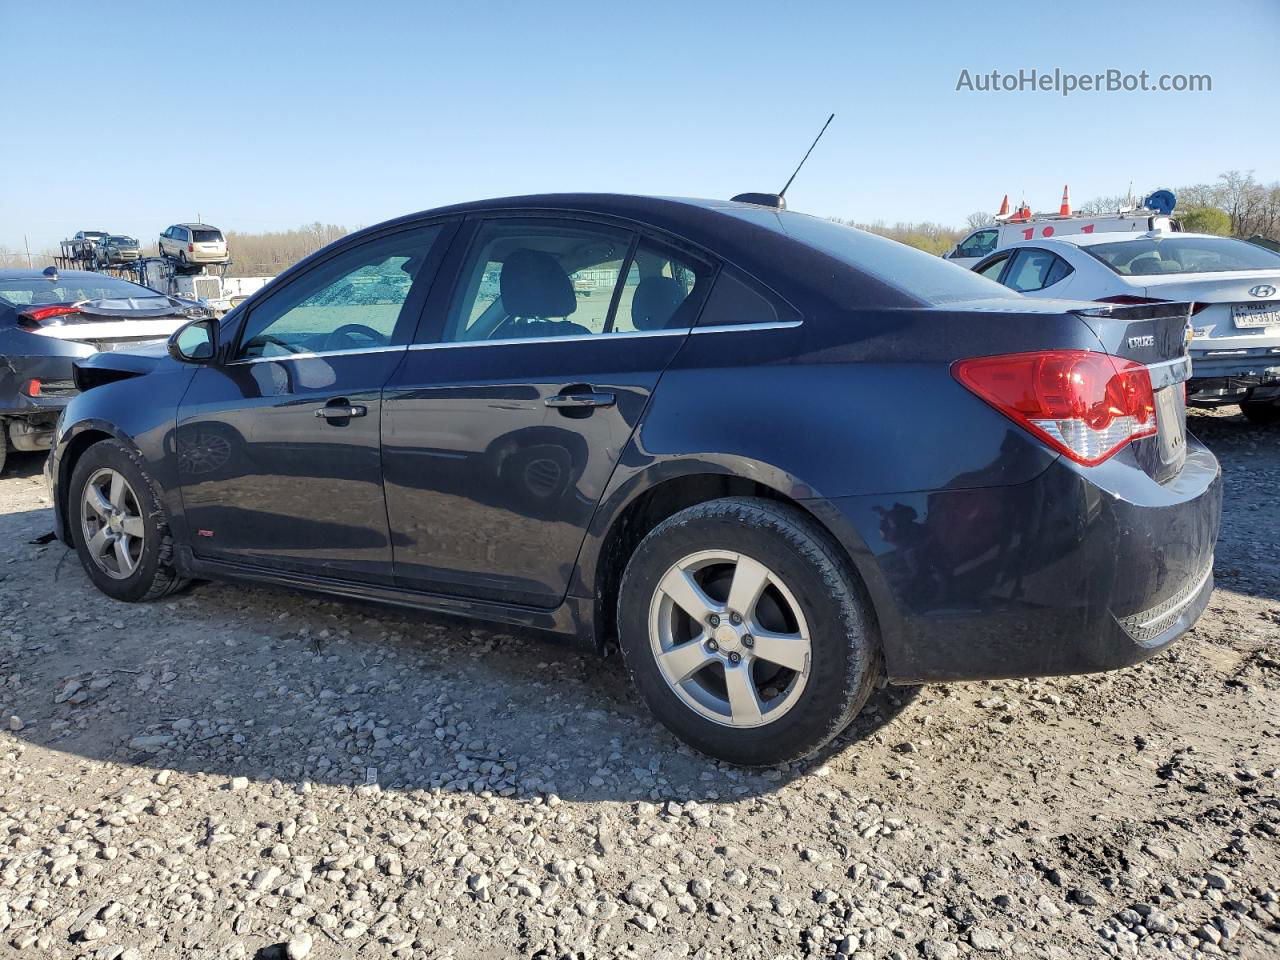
x=775, y=457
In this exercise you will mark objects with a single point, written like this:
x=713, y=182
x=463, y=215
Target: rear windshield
x=912, y=271
x=1160, y=255
x=206, y=236
x=38, y=291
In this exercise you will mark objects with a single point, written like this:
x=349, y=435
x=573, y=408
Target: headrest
x=533, y=284
x=655, y=302
x=1144, y=266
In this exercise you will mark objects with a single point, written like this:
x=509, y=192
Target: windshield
x=125, y=241
x=37, y=291
x=206, y=236
x=1160, y=255
x=913, y=271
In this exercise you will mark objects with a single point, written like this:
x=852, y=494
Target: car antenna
x=778, y=200
x=783, y=192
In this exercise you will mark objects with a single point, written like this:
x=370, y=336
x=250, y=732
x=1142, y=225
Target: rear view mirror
x=197, y=342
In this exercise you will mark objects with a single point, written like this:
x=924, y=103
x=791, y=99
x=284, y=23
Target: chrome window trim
x=734, y=327
x=616, y=335
x=312, y=355
x=574, y=338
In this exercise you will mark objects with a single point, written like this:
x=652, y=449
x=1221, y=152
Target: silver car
x=194, y=243
x=118, y=249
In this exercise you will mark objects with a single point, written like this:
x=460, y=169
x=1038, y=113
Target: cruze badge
x=1148, y=341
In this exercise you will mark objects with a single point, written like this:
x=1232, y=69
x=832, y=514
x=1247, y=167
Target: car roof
x=750, y=236
x=196, y=226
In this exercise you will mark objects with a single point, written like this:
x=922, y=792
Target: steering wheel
x=348, y=330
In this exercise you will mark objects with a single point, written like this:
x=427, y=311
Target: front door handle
x=579, y=401
x=341, y=410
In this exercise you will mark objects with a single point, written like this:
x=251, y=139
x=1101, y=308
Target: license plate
x=1171, y=421
x=1256, y=314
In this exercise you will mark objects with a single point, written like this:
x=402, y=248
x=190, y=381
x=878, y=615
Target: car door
x=278, y=444
x=509, y=414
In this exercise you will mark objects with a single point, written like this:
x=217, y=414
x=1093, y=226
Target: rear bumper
x=1235, y=361
x=1077, y=571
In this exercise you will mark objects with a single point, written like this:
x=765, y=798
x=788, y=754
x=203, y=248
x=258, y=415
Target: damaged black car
x=51, y=318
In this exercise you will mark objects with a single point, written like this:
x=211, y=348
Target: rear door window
x=534, y=278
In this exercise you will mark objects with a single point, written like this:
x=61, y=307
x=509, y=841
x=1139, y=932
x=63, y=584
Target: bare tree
x=979, y=219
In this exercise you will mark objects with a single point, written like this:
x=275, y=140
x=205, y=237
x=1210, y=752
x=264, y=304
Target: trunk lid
x=1156, y=336
x=113, y=324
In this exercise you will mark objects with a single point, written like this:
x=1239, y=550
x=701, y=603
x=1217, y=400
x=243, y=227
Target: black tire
x=844, y=659
x=1262, y=412
x=155, y=575
x=4, y=443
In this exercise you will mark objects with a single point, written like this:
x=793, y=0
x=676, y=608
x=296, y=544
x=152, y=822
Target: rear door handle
x=342, y=410
x=580, y=401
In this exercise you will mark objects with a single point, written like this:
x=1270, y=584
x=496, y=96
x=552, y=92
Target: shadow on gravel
x=234, y=681
x=1246, y=561
x=24, y=464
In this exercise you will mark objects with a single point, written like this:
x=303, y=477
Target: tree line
x=1236, y=204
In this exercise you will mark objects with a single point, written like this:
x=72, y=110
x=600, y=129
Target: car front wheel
x=746, y=632
x=118, y=527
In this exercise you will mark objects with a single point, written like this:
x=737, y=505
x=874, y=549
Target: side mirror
x=197, y=342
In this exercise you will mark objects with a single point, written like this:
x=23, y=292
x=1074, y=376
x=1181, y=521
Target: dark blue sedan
x=777, y=458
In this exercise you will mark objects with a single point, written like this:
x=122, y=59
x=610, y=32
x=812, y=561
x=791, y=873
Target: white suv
x=194, y=243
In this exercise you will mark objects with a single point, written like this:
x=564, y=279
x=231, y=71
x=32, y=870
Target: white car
x=1234, y=287
x=192, y=243
x=997, y=236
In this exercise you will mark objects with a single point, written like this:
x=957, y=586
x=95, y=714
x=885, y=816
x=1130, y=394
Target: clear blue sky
x=271, y=114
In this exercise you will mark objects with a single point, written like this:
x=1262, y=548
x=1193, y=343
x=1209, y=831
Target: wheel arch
x=83, y=436
x=650, y=497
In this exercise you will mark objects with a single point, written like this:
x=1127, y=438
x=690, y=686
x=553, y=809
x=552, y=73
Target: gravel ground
x=248, y=772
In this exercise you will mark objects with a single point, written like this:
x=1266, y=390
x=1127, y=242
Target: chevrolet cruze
x=776, y=458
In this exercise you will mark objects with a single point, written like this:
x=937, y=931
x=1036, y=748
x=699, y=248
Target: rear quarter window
x=735, y=300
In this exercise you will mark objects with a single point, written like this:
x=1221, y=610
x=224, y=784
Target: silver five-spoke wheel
x=730, y=638
x=111, y=520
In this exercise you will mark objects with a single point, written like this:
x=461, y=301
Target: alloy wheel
x=112, y=524
x=730, y=638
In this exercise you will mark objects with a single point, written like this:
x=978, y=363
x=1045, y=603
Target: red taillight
x=1128, y=298
x=1085, y=405
x=31, y=388
x=34, y=316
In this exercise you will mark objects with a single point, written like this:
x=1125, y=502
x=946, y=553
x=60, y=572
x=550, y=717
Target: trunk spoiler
x=1160, y=310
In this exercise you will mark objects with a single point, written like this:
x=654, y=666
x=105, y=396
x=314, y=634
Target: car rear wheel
x=1261, y=411
x=745, y=632
x=119, y=530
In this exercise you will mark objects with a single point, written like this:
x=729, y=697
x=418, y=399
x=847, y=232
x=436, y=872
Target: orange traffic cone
x=1065, y=209
x=1022, y=214
x=1004, y=207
